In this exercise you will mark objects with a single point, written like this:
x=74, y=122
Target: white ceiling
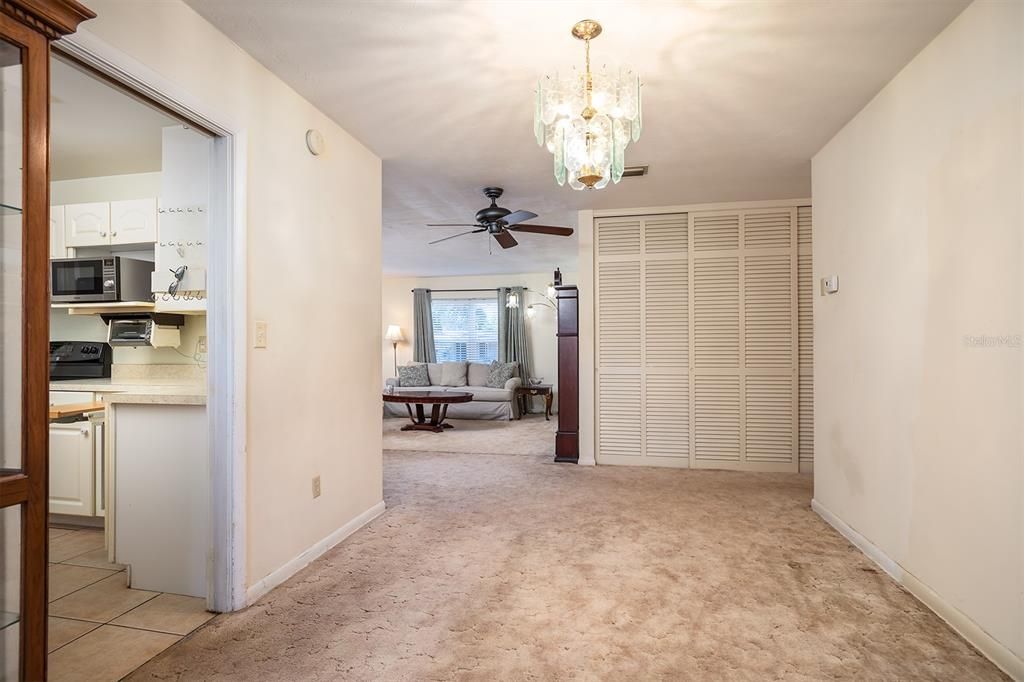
x=738, y=95
x=97, y=130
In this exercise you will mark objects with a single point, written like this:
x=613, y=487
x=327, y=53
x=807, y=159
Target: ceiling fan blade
x=518, y=217
x=543, y=229
x=506, y=240
x=461, y=234
x=453, y=225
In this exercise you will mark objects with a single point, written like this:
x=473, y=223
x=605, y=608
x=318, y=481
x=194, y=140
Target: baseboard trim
x=1009, y=662
x=265, y=585
x=860, y=542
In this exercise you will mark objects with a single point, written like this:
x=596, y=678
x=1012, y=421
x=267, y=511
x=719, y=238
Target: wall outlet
x=259, y=337
x=201, y=345
x=316, y=486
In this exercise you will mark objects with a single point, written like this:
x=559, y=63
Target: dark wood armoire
x=567, y=439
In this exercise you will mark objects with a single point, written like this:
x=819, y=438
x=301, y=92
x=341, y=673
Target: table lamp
x=394, y=335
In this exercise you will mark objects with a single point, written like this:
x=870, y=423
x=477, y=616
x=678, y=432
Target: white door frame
x=226, y=309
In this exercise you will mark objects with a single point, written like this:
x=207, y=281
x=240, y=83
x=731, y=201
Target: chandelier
x=587, y=119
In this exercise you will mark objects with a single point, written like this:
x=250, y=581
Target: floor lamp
x=394, y=335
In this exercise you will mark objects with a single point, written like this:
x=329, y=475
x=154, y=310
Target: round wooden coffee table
x=440, y=401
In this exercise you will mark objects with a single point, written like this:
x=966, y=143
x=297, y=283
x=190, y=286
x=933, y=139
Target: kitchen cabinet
x=159, y=506
x=76, y=460
x=87, y=224
x=57, y=248
x=73, y=468
x=132, y=221
x=114, y=223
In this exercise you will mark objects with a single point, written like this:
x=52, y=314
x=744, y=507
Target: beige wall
x=313, y=247
x=918, y=358
x=105, y=188
x=397, y=309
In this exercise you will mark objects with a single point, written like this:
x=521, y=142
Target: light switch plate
x=830, y=284
x=259, y=337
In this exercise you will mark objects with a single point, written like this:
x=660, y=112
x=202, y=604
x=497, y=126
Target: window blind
x=465, y=329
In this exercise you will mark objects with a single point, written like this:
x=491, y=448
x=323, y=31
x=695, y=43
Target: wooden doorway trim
x=32, y=24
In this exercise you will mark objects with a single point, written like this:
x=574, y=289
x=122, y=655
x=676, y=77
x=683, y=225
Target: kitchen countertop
x=163, y=391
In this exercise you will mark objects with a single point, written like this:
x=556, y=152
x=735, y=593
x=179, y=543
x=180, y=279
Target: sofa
x=487, y=403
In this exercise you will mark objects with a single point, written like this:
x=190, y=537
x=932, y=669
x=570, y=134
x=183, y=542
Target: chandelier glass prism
x=587, y=119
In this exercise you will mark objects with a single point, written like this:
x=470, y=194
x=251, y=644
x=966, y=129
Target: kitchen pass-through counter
x=153, y=477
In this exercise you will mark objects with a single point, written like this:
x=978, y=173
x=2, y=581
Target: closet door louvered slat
x=666, y=234
x=716, y=419
x=618, y=429
x=712, y=232
x=667, y=416
x=768, y=311
x=666, y=319
x=619, y=315
x=618, y=237
x=768, y=229
x=716, y=312
x=769, y=413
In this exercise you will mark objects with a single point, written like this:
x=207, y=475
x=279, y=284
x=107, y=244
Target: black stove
x=80, y=360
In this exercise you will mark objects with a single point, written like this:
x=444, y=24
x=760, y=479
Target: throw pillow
x=500, y=373
x=434, y=373
x=413, y=375
x=477, y=374
x=453, y=374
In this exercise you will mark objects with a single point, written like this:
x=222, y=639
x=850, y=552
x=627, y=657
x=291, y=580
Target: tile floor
x=100, y=629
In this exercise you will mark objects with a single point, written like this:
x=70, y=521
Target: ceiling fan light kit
x=587, y=119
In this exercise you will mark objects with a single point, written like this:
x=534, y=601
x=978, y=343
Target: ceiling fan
x=500, y=223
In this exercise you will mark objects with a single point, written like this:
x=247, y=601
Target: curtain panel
x=422, y=327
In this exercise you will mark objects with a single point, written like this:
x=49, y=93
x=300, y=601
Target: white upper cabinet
x=57, y=249
x=114, y=223
x=87, y=224
x=133, y=221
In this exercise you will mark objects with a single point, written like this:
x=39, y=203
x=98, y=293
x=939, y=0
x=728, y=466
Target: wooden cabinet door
x=133, y=221
x=57, y=249
x=87, y=224
x=72, y=469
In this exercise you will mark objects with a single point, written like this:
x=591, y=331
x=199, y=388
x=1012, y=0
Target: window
x=465, y=329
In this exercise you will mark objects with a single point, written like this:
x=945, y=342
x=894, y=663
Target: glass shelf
x=9, y=210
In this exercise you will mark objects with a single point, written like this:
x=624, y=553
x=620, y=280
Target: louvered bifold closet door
x=619, y=349
x=805, y=294
x=642, y=340
x=744, y=336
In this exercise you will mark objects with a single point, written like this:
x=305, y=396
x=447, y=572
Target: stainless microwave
x=101, y=279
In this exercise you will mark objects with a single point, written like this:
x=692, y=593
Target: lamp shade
x=394, y=333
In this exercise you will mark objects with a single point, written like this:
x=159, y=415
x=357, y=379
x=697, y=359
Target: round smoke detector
x=314, y=142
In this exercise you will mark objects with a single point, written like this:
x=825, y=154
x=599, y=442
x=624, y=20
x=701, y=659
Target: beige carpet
x=489, y=567
x=531, y=435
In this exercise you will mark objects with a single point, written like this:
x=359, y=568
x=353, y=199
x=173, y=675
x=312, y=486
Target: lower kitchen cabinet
x=73, y=459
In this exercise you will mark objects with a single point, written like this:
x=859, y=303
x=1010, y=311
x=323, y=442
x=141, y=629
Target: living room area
x=488, y=337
